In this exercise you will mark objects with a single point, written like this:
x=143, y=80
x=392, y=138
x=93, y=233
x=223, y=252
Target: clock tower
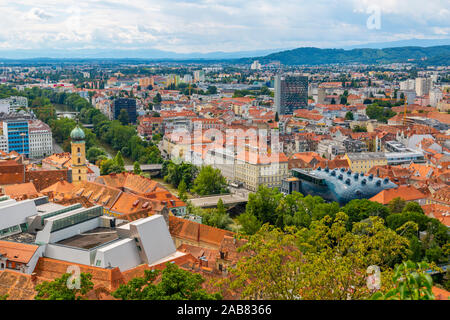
x=79, y=165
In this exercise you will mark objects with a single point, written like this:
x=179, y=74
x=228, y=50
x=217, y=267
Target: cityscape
x=318, y=171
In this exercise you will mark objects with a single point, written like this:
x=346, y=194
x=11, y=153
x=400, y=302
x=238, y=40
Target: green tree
x=349, y=115
x=59, y=289
x=94, y=154
x=413, y=207
x=304, y=263
x=211, y=90
x=123, y=117
x=175, y=284
x=396, y=205
x=173, y=173
x=411, y=283
x=182, y=189
x=218, y=217
x=360, y=209
x=115, y=165
x=137, y=168
x=118, y=160
x=263, y=204
x=157, y=98
x=249, y=222
x=209, y=181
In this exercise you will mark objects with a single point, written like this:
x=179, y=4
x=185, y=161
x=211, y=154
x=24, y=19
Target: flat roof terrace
x=91, y=239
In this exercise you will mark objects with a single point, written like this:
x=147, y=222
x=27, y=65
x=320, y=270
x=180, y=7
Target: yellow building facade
x=79, y=165
x=364, y=161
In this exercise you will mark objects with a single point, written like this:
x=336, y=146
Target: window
x=79, y=160
x=78, y=149
x=98, y=263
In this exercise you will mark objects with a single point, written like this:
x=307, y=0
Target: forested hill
x=437, y=55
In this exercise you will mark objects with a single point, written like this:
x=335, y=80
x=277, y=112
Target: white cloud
x=213, y=25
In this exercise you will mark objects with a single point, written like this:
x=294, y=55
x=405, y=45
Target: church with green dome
x=79, y=165
x=77, y=134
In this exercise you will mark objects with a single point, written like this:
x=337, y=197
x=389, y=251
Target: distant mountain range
x=314, y=56
x=147, y=54
x=401, y=43
x=417, y=50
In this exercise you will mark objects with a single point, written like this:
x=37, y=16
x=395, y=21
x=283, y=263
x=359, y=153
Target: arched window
x=78, y=149
x=79, y=177
x=79, y=160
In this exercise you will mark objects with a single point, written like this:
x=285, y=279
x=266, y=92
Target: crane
x=404, y=114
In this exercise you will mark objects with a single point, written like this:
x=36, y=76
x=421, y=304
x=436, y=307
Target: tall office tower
x=423, y=86
x=187, y=78
x=125, y=103
x=199, y=76
x=410, y=96
x=17, y=134
x=409, y=84
x=291, y=93
x=435, y=96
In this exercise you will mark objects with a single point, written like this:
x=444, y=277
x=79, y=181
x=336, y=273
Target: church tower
x=79, y=166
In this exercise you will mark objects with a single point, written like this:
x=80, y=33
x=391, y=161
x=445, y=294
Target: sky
x=186, y=26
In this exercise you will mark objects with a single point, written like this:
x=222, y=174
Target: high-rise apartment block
x=128, y=104
x=423, y=86
x=291, y=93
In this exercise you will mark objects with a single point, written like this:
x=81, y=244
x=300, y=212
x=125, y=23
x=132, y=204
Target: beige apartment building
x=362, y=162
x=255, y=169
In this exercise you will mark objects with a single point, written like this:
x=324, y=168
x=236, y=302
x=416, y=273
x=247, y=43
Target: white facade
x=423, y=86
x=3, y=143
x=409, y=84
x=123, y=254
x=12, y=104
x=435, y=96
x=13, y=214
x=41, y=143
x=152, y=237
x=255, y=65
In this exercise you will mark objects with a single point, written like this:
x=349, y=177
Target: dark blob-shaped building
x=338, y=185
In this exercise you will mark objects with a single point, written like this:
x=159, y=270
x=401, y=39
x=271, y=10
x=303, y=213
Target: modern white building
x=409, y=84
x=423, y=86
x=12, y=104
x=3, y=142
x=79, y=235
x=255, y=65
x=435, y=96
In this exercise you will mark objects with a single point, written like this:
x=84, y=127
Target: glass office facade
x=291, y=93
x=18, y=137
x=76, y=218
x=64, y=210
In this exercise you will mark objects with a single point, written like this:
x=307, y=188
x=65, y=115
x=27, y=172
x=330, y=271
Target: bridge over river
x=229, y=200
